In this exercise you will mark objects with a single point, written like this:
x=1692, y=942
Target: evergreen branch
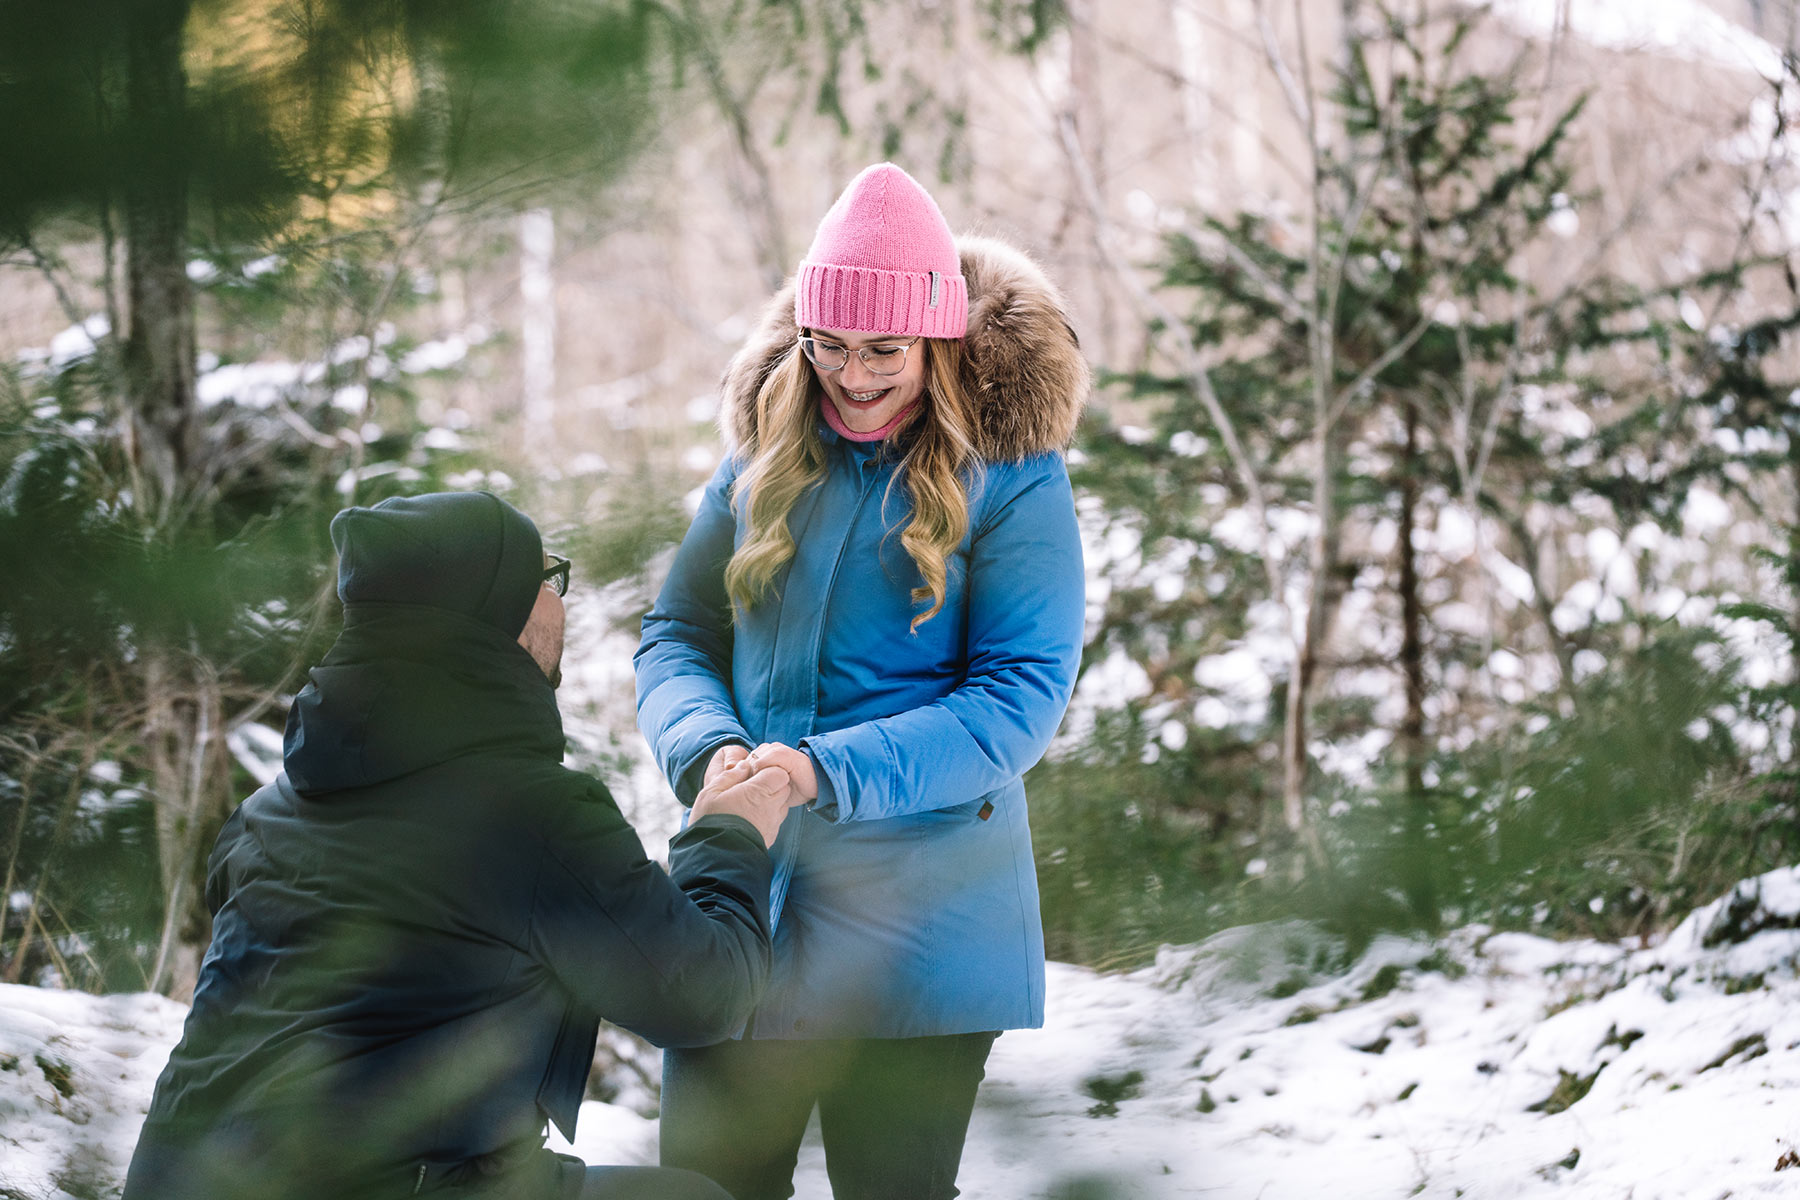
x=1280, y=296
x=1753, y=611
x=1494, y=198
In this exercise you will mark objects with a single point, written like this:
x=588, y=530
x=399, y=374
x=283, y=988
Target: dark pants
x=159, y=1172
x=634, y=1183
x=893, y=1113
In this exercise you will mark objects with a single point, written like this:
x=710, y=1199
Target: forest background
x=1440, y=487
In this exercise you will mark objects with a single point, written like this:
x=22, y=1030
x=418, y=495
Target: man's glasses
x=882, y=360
x=557, y=574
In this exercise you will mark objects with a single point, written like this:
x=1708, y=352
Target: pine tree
x=1412, y=356
x=288, y=158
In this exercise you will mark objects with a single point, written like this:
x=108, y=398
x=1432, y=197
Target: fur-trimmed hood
x=1021, y=363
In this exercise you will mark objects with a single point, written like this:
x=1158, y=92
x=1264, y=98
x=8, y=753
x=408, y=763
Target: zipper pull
x=419, y=1183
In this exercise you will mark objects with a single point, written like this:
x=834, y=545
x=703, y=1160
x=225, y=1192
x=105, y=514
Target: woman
x=881, y=593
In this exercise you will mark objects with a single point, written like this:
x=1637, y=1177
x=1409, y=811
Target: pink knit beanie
x=883, y=261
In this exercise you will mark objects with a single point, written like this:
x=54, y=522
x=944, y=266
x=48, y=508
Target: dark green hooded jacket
x=419, y=925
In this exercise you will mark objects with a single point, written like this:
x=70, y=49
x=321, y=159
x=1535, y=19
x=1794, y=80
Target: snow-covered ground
x=1246, y=1067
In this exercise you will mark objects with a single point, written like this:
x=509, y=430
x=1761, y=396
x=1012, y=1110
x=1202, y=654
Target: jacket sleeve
x=1026, y=607
x=680, y=958
x=683, y=660
x=219, y=884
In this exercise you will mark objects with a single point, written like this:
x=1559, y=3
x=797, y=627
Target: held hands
x=759, y=785
x=740, y=787
x=803, y=782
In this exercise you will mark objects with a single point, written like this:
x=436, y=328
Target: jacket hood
x=408, y=686
x=1022, y=364
x=469, y=553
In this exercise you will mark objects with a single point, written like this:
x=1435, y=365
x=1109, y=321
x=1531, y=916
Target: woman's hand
x=803, y=783
x=724, y=757
x=757, y=792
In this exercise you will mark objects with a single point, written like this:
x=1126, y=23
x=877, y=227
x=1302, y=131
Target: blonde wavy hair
x=787, y=457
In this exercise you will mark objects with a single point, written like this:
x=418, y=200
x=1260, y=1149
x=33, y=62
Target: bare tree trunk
x=159, y=349
x=1794, y=536
x=184, y=730
x=1321, y=604
x=1197, y=110
x=1420, y=891
x=537, y=329
x=1112, y=335
x=1322, y=554
x=1540, y=599
x=183, y=723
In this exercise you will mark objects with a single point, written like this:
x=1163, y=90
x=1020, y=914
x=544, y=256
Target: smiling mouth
x=866, y=398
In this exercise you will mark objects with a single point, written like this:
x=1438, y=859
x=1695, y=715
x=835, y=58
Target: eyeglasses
x=882, y=360
x=556, y=575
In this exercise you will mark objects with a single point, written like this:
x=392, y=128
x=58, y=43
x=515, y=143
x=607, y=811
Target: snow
x=253, y=384
x=352, y=398
x=475, y=479
x=257, y=749
x=1682, y=29
x=1254, y=1065
x=438, y=355
x=1704, y=512
x=1188, y=444
x=267, y=382
x=77, y=342
x=440, y=438
x=76, y=1073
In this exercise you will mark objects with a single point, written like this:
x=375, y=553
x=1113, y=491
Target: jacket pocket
x=565, y=1077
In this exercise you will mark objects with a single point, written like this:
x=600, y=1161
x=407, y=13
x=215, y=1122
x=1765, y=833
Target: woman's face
x=864, y=400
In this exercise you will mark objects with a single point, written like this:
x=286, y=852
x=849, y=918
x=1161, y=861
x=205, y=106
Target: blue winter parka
x=904, y=898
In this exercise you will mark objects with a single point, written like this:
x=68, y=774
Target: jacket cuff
x=825, y=804
x=696, y=829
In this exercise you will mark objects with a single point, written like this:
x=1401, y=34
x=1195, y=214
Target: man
x=420, y=923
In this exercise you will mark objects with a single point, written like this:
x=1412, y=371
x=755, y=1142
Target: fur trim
x=1022, y=365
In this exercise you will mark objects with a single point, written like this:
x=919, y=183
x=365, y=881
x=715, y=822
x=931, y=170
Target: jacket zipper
x=784, y=871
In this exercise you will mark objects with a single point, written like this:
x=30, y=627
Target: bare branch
x=1392, y=355
x=1491, y=433
x=1271, y=287
x=265, y=698
x=50, y=267
x=1184, y=353
x=1299, y=102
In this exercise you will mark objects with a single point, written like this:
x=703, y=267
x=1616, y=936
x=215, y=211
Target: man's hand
x=754, y=791
x=724, y=756
x=803, y=782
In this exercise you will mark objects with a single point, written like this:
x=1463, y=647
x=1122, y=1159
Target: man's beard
x=544, y=648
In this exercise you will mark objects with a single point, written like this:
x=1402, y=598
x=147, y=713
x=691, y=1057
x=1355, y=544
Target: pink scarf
x=850, y=435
